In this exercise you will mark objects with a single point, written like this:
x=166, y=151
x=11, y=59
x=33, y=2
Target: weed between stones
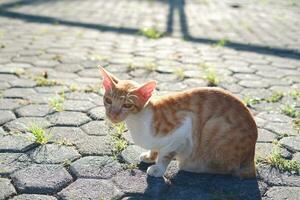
x=210, y=74
x=118, y=141
x=151, y=33
x=39, y=134
x=42, y=81
x=57, y=102
x=179, y=73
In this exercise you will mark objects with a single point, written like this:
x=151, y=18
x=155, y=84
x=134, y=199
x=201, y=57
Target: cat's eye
x=108, y=100
x=127, y=105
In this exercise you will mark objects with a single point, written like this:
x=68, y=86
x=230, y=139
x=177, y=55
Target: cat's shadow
x=177, y=185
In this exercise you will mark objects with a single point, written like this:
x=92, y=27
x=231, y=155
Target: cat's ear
x=109, y=80
x=145, y=91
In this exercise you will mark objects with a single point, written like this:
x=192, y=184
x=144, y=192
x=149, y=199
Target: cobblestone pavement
x=54, y=141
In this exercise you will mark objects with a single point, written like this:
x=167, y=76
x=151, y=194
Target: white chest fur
x=140, y=127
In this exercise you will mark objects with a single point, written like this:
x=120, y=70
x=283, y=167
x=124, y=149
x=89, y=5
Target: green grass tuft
x=290, y=110
x=42, y=81
x=150, y=66
x=276, y=160
x=179, y=73
x=275, y=97
x=118, y=141
x=250, y=102
x=130, y=67
x=39, y=134
x=221, y=43
x=295, y=94
x=57, y=103
x=151, y=33
x=211, y=77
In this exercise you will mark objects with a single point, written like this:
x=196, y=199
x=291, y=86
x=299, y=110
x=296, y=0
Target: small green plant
x=98, y=57
x=93, y=88
x=290, y=111
x=42, y=81
x=179, y=73
x=221, y=43
x=57, y=103
x=2, y=46
x=150, y=66
x=57, y=58
x=66, y=163
x=64, y=142
x=19, y=71
x=204, y=66
x=118, y=141
x=39, y=134
x=73, y=87
x=250, y=102
x=211, y=77
x=275, y=97
x=151, y=33
x=296, y=124
x=276, y=160
x=295, y=94
x=130, y=67
x=130, y=166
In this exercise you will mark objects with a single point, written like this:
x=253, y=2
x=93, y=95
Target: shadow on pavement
x=173, y=5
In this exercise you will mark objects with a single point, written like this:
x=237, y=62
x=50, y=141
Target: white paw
x=156, y=170
x=145, y=157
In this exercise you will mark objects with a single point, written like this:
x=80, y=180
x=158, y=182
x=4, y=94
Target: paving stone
x=68, y=118
x=41, y=179
x=52, y=89
x=34, y=111
x=264, y=150
x=16, y=142
x=100, y=128
x=266, y=136
x=281, y=128
x=94, y=145
x=92, y=97
x=127, y=136
x=281, y=193
x=95, y=167
x=72, y=105
x=275, y=117
x=41, y=98
x=70, y=134
x=19, y=93
x=135, y=181
x=33, y=197
x=97, y=113
x=274, y=177
x=54, y=154
x=23, y=83
x=22, y=124
x=6, y=116
x=291, y=143
x=254, y=84
x=296, y=157
x=10, y=162
x=6, y=188
x=90, y=189
x=132, y=153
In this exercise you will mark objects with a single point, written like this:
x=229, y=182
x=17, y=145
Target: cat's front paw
x=156, y=170
x=146, y=158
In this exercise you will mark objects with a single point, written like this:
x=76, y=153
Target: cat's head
x=124, y=97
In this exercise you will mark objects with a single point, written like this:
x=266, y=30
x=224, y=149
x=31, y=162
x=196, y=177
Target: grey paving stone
x=16, y=142
x=95, y=167
x=127, y=137
x=6, y=116
x=266, y=136
x=10, y=162
x=34, y=110
x=76, y=105
x=281, y=193
x=138, y=182
x=275, y=117
x=23, y=83
x=71, y=134
x=100, y=128
x=296, y=157
x=291, y=143
x=281, y=128
x=22, y=124
x=41, y=98
x=264, y=150
x=6, y=188
x=19, y=93
x=92, y=97
x=54, y=154
x=90, y=189
x=274, y=177
x=41, y=179
x=52, y=89
x=132, y=153
x=97, y=113
x=33, y=197
x=9, y=104
x=68, y=118
x=254, y=84
x=94, y=145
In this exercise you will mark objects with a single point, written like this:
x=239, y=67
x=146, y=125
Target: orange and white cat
x=206, y=129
